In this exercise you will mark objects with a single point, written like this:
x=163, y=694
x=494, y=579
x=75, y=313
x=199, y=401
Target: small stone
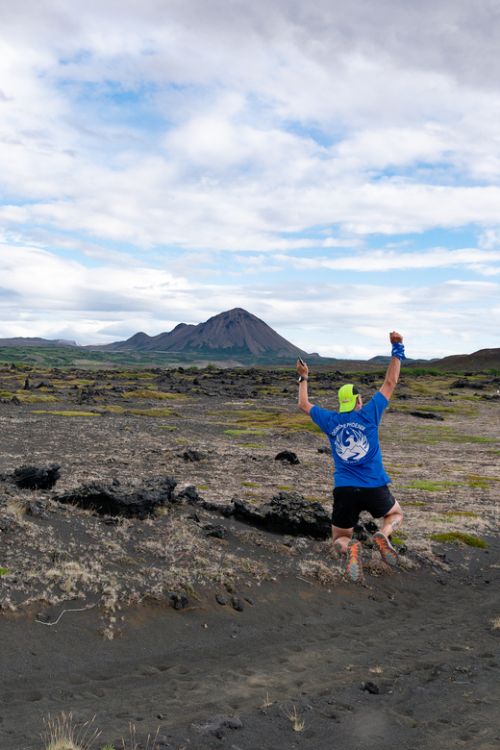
x=216, y=530
x=237, y=604
x=221, y=599
x=179, y=601
x=36, y=509
x=189, y=495
x=192, y=455
x=370, y=687
x=287, y=457
x=217, y=724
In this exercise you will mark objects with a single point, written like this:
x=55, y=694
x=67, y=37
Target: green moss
x=481, y=482
x=413, y=503
x=459, y=536
x=424, y=484
x=152, y=394
x=459, y=514
x=4, y=571
x=292, y=422
x=65, y=413
x=150, y=412
x=284, y=487
x=246, y=432
x=435, y=409
x=399, y=538
x=39, y=398
x=135, y=375
x=249, y=484
x=168, y=427
x=432, y=435
x=252, y=445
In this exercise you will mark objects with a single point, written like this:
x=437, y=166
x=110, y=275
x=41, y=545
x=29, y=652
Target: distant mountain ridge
x=483, y=359
x=234, y=332
x=35, y=341
x=244, y=338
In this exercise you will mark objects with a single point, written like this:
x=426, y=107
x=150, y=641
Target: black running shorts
x=348, y=502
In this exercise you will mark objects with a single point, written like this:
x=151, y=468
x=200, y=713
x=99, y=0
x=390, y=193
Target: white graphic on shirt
x=350, y=443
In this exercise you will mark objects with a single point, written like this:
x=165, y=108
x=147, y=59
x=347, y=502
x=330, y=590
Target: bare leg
x=392, y=520
x=341, y=538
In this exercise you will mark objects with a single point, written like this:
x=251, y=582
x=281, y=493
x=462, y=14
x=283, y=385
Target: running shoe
x=354, y=562
x=387, y=551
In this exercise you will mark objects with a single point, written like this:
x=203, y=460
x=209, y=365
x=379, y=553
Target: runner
x=360, y=480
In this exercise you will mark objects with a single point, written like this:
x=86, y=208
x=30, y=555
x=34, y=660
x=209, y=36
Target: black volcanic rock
x=427, y=415
x=116, y=499
x=36, y=478
x=287, y=513
x=288, y=457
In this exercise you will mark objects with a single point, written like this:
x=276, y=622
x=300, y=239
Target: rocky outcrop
x=117, y=499
x=287, y=513
x=35, y=477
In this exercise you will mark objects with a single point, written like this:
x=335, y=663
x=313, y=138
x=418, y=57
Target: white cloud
x=135, y=138
x=389, y=260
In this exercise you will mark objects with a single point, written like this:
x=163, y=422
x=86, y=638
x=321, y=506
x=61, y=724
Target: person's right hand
x=302, y=369
x=395, y=337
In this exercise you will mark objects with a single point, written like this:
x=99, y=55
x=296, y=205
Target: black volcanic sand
x=294, y=657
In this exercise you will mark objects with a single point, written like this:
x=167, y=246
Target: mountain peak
x=235, y=332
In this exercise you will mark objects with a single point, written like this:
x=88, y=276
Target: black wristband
x=302, y=379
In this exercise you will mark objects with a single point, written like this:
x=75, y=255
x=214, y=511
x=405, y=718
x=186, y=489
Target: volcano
x=233, y=333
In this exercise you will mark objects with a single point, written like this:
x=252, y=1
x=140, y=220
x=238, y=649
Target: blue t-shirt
x=353, y=436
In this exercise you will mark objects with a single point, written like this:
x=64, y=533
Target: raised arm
x=394, y=368
x=304, y=403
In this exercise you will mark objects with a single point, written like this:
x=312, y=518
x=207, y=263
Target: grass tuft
x=425, y=484
x=298, y=724
x=459, y=536
x=61, y=733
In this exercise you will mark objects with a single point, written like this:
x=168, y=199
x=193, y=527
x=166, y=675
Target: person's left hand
x=302, y=369
x=395, y=337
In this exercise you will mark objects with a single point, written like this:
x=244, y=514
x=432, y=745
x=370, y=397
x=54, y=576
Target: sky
x=331, y=167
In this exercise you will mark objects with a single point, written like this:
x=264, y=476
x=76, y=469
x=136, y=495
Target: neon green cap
x=347, y=397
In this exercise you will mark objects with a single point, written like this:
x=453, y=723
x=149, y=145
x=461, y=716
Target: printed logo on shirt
x=351, y=444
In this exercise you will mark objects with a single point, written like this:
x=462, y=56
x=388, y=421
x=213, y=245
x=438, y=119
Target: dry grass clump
x=62, y=733
x=495, y=623
x=67, y=575
x=297, y=722
x=16, y=508
x=319, y=571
